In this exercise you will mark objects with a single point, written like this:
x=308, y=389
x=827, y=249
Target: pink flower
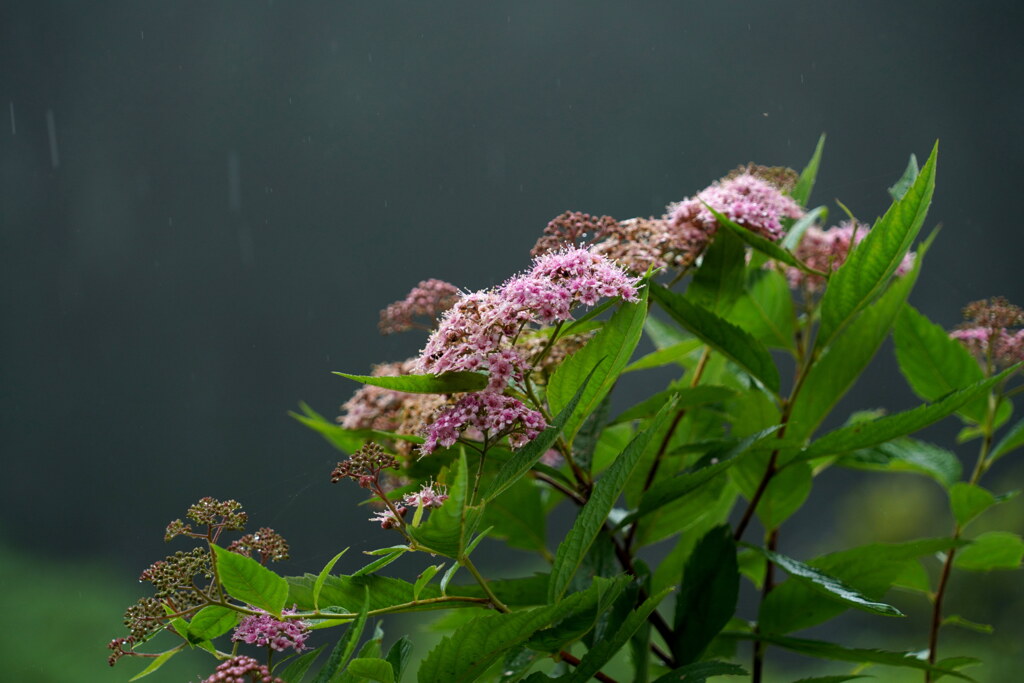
x=387, y=518
x=242, y=669
x=826, y=250
x=988, y=334
x=429, y=496
x=265, y=631
x=493, y=414
x=429, y=299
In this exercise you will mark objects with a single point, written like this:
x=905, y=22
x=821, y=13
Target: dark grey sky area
x=203, y=206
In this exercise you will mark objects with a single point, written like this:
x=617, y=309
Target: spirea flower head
x=387, y=517
x=745, y=199
x=826, y=250
x=987, y=331
x=242, y=669
x=477, y=334
x=493, y=414
x=429, y=299
x=264, y=630
x=430, y=495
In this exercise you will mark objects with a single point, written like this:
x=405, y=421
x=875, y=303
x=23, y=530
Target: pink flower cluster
x=242, y=669
x=987, y=331
x=429, y=299
x=493, y=414
x=478, y=333
x=429, y=496
x=826, y=250
x=266, y=631
x=745, y=199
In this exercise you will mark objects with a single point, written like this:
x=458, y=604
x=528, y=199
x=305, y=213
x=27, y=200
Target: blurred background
x=203, y=207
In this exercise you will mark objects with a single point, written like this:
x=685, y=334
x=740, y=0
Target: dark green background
x=234, y=189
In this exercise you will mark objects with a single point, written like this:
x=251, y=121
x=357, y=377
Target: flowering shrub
x=508, y=411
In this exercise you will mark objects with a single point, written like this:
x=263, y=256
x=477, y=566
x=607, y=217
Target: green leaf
x=699, y=672
x=801, y=194
x=210, y=622
x=424, y=578
x=445, y=383
x=297, y=668
x=934, y=363
x=322, y=576
x=905, y=454
x=517, y=516
x=870, y=570
x=832, y=679
x=247, y=580
x=449, y=527
x=991, y=550
x=906, y=181
x=719, y=280
x=687, y=397
x=734, y=342
x=795, y=234
x=761, y=244
x=662, y=357
x=766, y=310
x=957, y=620
x=156, y=663
x=373, y=668
x=664, y=335
x=398, y=656
x=968, y=501
x=867, y=434
x=346, y=645
x=843, y=362
x=347, y=441
x=592, y=516
x=1012, y=440
x=380, y=562
x=603, y=650
x=829, y=584
x=867, y=269
x=527, y=456
x=602, y=359
x=707, y=595
x=825, y=650
x=785, y=493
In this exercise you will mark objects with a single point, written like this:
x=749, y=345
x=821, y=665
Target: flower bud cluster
x=988, y=332
x=364, y=466
x=178, y=571
x=429, y=299
x=572, y=229
x=242, y=669
x=263, y=630
x=267, y=543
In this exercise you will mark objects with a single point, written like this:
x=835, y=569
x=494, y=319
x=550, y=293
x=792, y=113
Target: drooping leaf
x=247, y=580
x=991, y=550
x=345, y=440
x=732, y=341
x=719, y=280
x=968, y=501
x=905, y=454
x=156, y=663
x=602, y=359
x=707, y=594
x=319, y=584
x=805, y=183
x=819, y=580
x=445, y=383
x=934, y=363
x=592, y=516
x=868, y=267
x=906, y=181
x=210, y=622
x=372, y=668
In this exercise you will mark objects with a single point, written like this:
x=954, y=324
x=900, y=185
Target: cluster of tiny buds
x=267, y=543
x=364, y=466
x=995, y=313
x=429, y=299
x=242, y=669
x=177, y=571
x=572, y=228
x=988, y=331
x=210, y=512
x=120, y=647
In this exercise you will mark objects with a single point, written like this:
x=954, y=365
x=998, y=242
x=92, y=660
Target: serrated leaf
x=991, y=550
x=346, y=644
x=602, y=651
x=761, y=244
x=719, y=280
x=372, y=668
x=662, y=357
x=907, y=455
x=156, y=663
x=868, y=267
x=527, y=456
x=867, y=434
x=210, y=622
x=699, y=672
x=450, y=526
x=935, y=364
x=829, y=584
x=826, y=650
x=446, y=383
x=297, y=668
x=1012, y=440
x=906, y=181
x=968, y=501
x=801, y=193
x=735, y=343
x=602, y=359
x=766, y=310
x=517, y=516
x=398, y=656
x=247, y=580
x=592, y=516
x=319, y=584
x=707, y=595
